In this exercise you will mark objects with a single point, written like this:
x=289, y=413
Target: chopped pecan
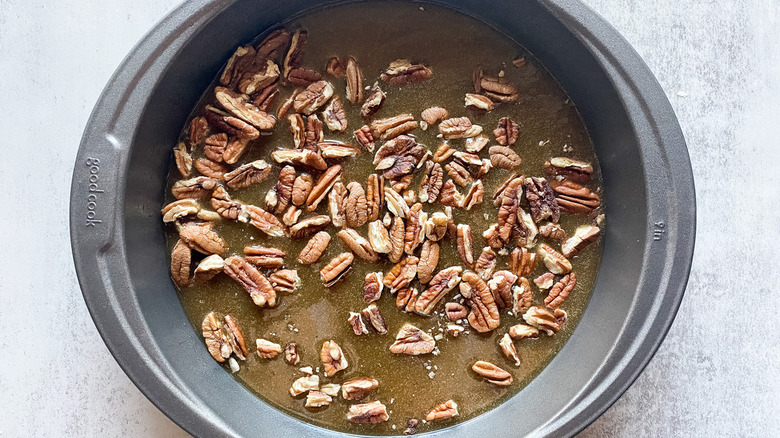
x=324, y=184
x=466, y=245
x=299, y=157
x=208, y=268
x=391, y=127
x=231, y=125
x=402, y=274
x=305, y=384
x=379, y=238
x=198, y=187
x=358, y=388
x=199, y=127
x=443, y=153
x=294, y=54
x=374, y=101
x=357, y=244
x=237, y=105
x=429, y=260
x=574, y=198
x=374, y=317
x=544, y=320
x=227, y=208
x=372, y=287
x=253, y=281
x=522, y=331
x=396, y=204
x=303, y=77
x=367, y=413
x=443, y=411
x=397, y=233
x=259, y=76
x=415, y=234
x=248, y=174
x=181, y=208
x=507, y=132
x=336, y=269
x=544, y=281
x=432, y=181
x=492, y=373
x=183, y=159
x=402, y=72
x=484, y=315
x=211, y=168
x=459, y=127
x=552, y=231
x=441, y=283
x=317, y=399
x=521, y=296
x=309, y=226
x=522, y=262
x=555, y=261
x=560, y=291
x=365, y=138
x=264, y=257
x=458, y=173
x=479, y=102
x=497, y=89
x=181, y=260
x=405, y=299
x=509, y=350
x=202, y=238
x=285, y=280
x=413, y=341
x=474, y=196
x=456, y=311
x=583, y=236
x=486, y=263
x=334, y=115
x=504, y=157
x=476, y=144
x=334, y=67
x=355, y=205
x=541, y=199
x=358, y=325
x=314, y=248
x=266, y=222
x=375, y=188
x=449, y=196
x=569, y=169
x=313, y=97
x=501, y=287
x=333, y=359
x=267, y=349
x=354, y=81
x=436, y=226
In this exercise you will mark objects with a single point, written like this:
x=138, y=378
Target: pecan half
x=259, y=76
x=397, y=233
x=375, y=188
x=411, y=426
x=501, y=287
x=180, y=209
x=458, y=173
x=313, y=134
x=429, y=260
x=336, y=269
x=459, y=127
x=434, y=115
x=522, y=296
x=374, y=317
x=285, y=280
x=583, y=236
x=309, y=226
x=181, y=260
x=492, y=373
x=396, y=204
x=432, y=181
x=355, y=320
x=466, y=245
x=415, y=234
x=303, y=77
x=273, y=43
x=436, y=226
x=299, y=157
x=333, y=359
x=357, y=244
x=301, y=188
x=560, y=291
x=267, y=349
x=298, y=129
x=355, y=205
x=240, y=60
x=504, y=157
x=443, y=153
x=476, y=144
x=474, y=196
x=522, y=262
x=544, y=320
x=541, y=199
x=552, y=231
x=199, y=127
x=391, y=127
x=294, y=54
x=231, y=125
x=522, y=331
x=287, y=104
x=317, y=399
x=336, y=204
x=238, y=105
x=313, y=97
x=449, y=196
x=365, y=138
x=372, y=287
x=264, y=257
x=358, y=388
x=334, y=116
x=291, y=355
x=253, y=281
x=183, y=159
x=484, y=315
x=555, y=261
x=214, y=146
x=208, y=268
x=479, y=102
x=324, y=184
x=379, y=238
x=443, y=411
x=354, y=81
x=492, y=238
x=509, y=350
x=228, y=208
x=195, y=188
x=406, y=298
x=266, y=222
x=373, y=103
x=544, y=281
x=223, y=339
x=456, y=311
x=402, y=274
x=497, y=89
x=314, y=248
x=211, y=168
x=367, y=413
x=507, y=132
x=266, y=98
x=486, y=263
x=569, y=169
x=413, y=341
x=441, y=283
x=574, y=198
x=402, y=72
x=248, y=174
x=202, y=238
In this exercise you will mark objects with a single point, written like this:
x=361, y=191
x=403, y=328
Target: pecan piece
x=300, y=157
x=212, y=169
x=492, y=373
x=372, y=287
x=413, y=341
x=374, y=101
x=396, y=204
x=259, y=76
x=374, y=317
x=253, y=281
x=401, y=274
x=466, y=245
x=441, y=283
x=509, y=350
x=569, y=169
x=357, y=244
x=195, y=188
x=317, y=399
x=336, y=269
x=336, y=204
x=522, y=262
x=332, y=149
x=443, y=153
x=501, y=287
x=305, y=384
x=429, y=260
x=476, y=144
x=241, y=59
x=458, y=173
x=355, y=320
x=544, y=320
x=507, y=132
x=431, y=184
x=367, y=413
x=541, y=199
x=223, y=339
x=478, y=102
x=183, y=160
x=379, y=238
x=486, y=263
x=354, y=81
x=402, y=72
x=294, y=54
x=199, y=127
x=524, y=229
x=266, y=222
x=434, y=115
x=298, y=129
x=313, y=97
x=521, y=296
x=459, y=127
x=555, y=261
x=301, y=188
x=474, y=196
x=436, y=226
x=450, y=197
x=309, y=226
x=574, y=198
x=405, y=299
x=181, y=208
x=552, y=231
x=375, y=187
x=267, y=349
x=560, y=291
x=456, y=311
x=181, y=260
x=248, y=174
x=397, y=233
x=324, y=184
x=484, y=315
x=272, y=44
x=583, y=236
x=266, y=98
x=522, y=331
x=545, y=281
x=237, y=105
x=208, y=268
x=415, y=234
x=314, y=248
x=334, y=115
x=365, y=138
x=443, y=411
x=334, y=67
x=492, y=238
x=358, y=388
x=228, y=208
x=285, y=280
x=391, y=127
x=504, y=157
x=287, y=105
x=355, y=205
x=411, y=426
x=333, y=359
x=202, y=238
x=264, y=257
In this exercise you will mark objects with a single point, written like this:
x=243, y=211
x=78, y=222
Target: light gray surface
x=717, y=374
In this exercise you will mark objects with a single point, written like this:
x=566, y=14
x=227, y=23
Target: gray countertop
x=717, y=373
